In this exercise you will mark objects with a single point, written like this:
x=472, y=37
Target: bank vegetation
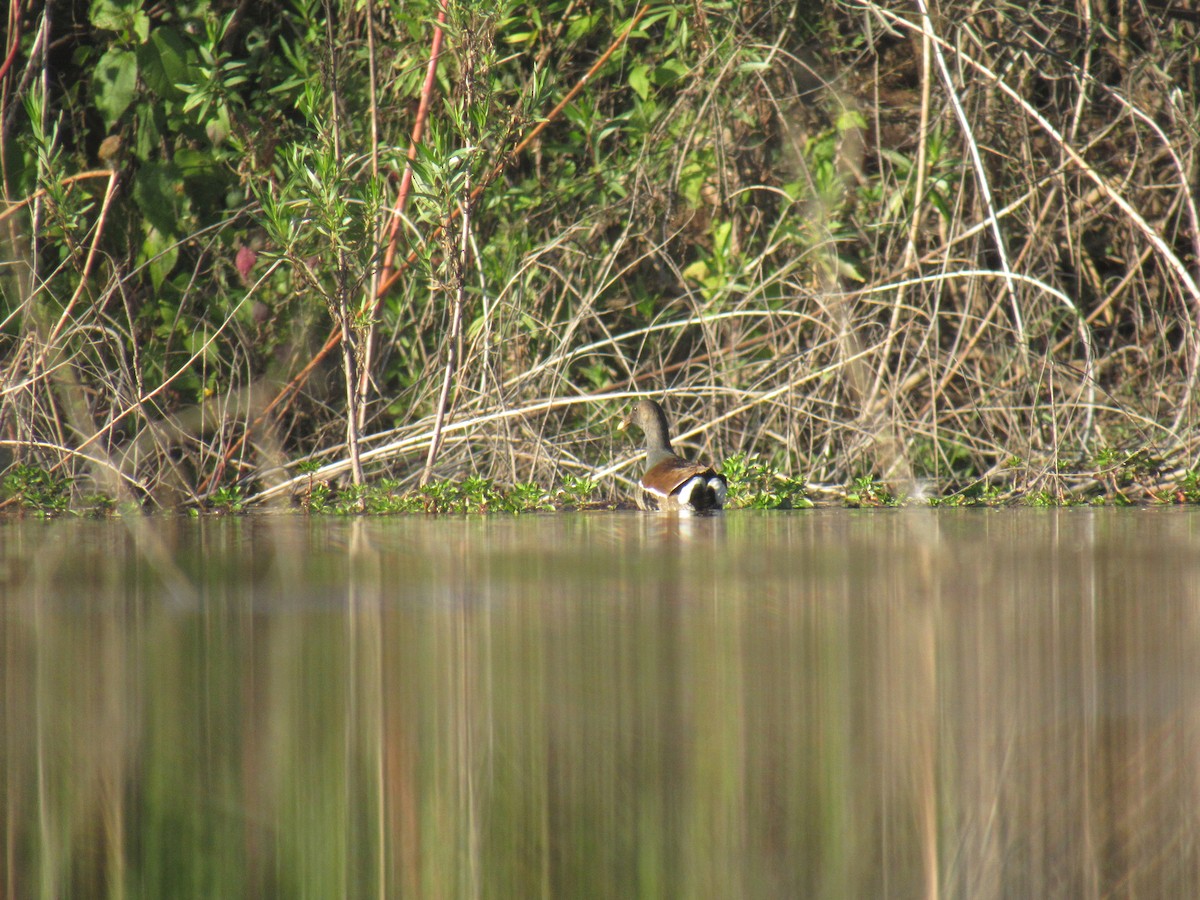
x=944, y=251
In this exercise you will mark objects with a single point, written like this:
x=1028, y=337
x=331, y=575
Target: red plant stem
x=418, y=130
x=15, y=37
x=485, y=182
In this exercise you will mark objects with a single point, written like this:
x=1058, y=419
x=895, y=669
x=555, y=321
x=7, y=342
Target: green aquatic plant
x=228, y=499
x=756, y=484
x=37, y=489
x=382, y=498
x=1189, y=486
x=867, y=490
x=473, y=495
x=1041, y=499
x=317, y=493
x=97, y=506
x=577, y=492
x=526, y=496
x=979, y=494
x=1185, y=490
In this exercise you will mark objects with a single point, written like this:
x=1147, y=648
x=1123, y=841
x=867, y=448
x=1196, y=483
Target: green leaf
x=147, y=141
x=691, y=182
x=111, y=15
x=851, y=120
x=848, y=270
x=218, y=125
x=114, y=83
x=581, y=27
x=160, y=254
x=669, y=72
x=107, y=15
x=639, y=80
x=158, y=192
x=125, y=18
x=722, y=233
x=164, y=63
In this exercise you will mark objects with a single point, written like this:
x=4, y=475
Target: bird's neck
x=657, y=451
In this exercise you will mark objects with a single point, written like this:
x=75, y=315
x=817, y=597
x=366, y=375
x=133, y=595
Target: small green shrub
x=867, y=490
x=37, y=489
x=755, y=484
x=576, y=491
x=228, y=499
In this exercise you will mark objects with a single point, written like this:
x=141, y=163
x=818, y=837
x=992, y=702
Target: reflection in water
x=902, y=703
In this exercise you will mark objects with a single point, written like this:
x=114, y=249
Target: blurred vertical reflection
x=820, y=704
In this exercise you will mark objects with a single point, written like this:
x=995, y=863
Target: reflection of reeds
x=462, y=708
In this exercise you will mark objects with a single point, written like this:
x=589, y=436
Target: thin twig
x=453, y=344
x=981, y=177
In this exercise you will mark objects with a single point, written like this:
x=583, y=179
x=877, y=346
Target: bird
x=670, y=481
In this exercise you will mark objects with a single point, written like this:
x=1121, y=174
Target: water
x=816, y=704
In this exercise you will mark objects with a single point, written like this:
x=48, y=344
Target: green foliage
x=318, y=498
x=216, y=77
x=116, y=82
x=357, y=498
x=756, y=484
x=577, y=492
x=473, y=495
x=1185, y=490
x=979, y=494
x=943, y=170
x=717, y=272
x=37, y=489
x=228, y=499
x=867, y=490
x=1041, y=499
x=525, y=496
x=317, y=494
x=479, y=495
x=101, y=505
x=1189, y=487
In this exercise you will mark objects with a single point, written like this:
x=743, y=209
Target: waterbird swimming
x=670, y=481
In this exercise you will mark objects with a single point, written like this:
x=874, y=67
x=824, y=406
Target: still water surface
x=810, y=704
